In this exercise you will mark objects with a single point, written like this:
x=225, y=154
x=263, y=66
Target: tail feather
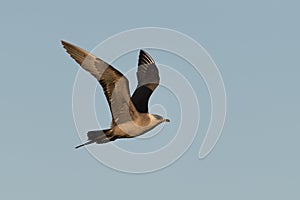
x=98, y=136
x=92, y=135
x=88, y=142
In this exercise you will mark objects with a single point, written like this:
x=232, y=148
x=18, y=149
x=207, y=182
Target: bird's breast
x=132, y=129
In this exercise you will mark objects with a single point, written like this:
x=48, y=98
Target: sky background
x=255, y=45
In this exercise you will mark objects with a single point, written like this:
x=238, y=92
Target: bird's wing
x=148, y=80
x=113, y=82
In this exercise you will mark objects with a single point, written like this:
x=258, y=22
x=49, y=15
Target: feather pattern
x=148, y=80
x=113, y=82
x=130, y=117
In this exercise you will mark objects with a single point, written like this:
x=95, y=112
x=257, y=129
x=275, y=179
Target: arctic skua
x=130, y=115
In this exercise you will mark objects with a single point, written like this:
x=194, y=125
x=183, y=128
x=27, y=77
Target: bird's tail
x=98, y=137
x=88, y=142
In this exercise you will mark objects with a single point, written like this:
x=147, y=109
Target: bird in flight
x=130, y=116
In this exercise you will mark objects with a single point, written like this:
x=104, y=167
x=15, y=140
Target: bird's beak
x=167, y=120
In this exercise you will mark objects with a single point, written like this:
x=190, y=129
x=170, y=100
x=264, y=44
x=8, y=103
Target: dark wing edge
x=145, y=58
x=114, y=83
x=85, y=59
x=148, y=80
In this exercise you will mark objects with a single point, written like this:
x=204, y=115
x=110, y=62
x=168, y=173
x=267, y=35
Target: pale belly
x=133, y=129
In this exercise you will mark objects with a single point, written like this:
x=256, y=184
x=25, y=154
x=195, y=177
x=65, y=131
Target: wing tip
x=67, y=45
x=77, y=53
x=145, y=58
x=64, y=43
x=142, y=51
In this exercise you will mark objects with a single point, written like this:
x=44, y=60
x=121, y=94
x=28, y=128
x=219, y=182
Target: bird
x=130, y=115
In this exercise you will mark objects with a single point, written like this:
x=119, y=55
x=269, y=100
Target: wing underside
x=148, y=80
x=113, y=82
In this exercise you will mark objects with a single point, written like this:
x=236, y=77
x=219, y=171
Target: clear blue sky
x=256, y=46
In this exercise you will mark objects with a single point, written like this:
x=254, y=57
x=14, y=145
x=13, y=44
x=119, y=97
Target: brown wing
x=113, y=82
x=148, y=80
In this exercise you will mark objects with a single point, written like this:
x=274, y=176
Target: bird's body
x=130, y=116
x=137, y=127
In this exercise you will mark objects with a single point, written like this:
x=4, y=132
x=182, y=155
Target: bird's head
x=160, y=119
